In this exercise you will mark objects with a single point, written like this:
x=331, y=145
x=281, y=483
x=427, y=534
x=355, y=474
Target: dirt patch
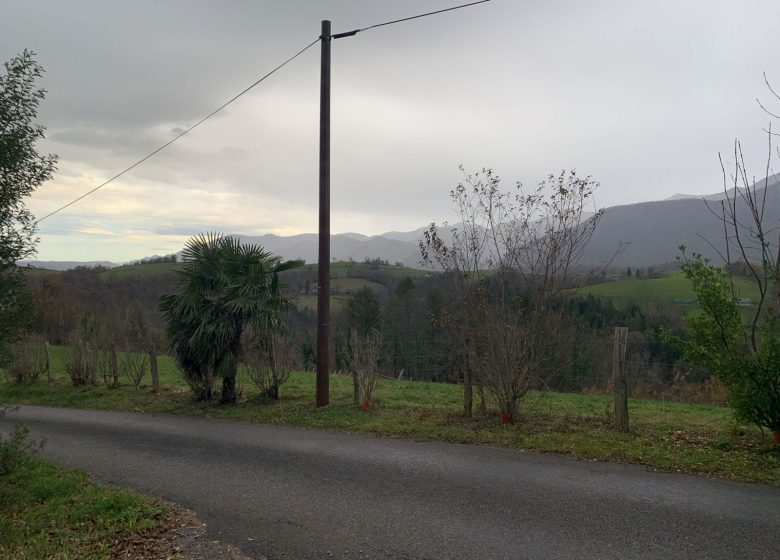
x=182, y=538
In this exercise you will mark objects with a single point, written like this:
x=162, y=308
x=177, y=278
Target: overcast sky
x=642, y=95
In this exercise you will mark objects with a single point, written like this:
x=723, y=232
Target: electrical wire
x=356, y=31
x=178, y=136
x=279, y=67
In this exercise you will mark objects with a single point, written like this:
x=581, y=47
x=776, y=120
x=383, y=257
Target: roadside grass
x=664, y=436
x=47, y=511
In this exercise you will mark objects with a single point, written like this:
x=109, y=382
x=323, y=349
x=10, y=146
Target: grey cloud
x=640, y=94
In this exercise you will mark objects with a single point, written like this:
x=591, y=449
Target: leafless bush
x=363, y=359
x=107, y=368
x=268, y=363
x=200, y=381
x=29, y=360
x=532, y=240
x=134, y=366
x=512, y=354
x=81, y=362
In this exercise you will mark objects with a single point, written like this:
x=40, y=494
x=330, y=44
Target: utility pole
x=323, y=266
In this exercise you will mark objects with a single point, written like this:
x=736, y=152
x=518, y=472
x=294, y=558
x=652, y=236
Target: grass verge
x=47, y=511
x=664, y=436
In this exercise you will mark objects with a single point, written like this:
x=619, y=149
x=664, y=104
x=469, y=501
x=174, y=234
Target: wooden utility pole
x=619, y=383
x=323, y=266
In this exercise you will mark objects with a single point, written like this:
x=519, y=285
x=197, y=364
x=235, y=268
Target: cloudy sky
x=641, y=95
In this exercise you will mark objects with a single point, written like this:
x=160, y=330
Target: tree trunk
x=273, y=392
x=155, y=374
x=355, y=389
x=468, y=397
x=468, y=385
x=229, y=395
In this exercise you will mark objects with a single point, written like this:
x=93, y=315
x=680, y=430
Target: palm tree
x=226, y=287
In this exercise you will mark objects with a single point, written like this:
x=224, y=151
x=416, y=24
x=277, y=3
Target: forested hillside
x=407, y=305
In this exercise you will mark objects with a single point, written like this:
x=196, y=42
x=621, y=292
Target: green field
x=352, y=285
x=50, y=512
x=344, y=269
x=310, y=302
x=665, y=436
x=38, y=272
x=139, y=271
x=666, y=289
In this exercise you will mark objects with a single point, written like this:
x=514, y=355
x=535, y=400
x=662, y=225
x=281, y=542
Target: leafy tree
x=403, y=324
x=747, y=361
x=363, y=322
x=745, y=354
x=22, y=170
x=364, y=313
x=226, y=287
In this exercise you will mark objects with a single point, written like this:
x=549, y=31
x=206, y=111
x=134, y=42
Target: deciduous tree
x=22, y=171
x=511, y=257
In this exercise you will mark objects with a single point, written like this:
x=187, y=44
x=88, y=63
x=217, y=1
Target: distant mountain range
x=650, y=231
x=65, y=265
x=655, y=230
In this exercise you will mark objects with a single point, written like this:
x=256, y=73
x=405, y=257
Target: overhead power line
x=356, y=31
x=178, y=136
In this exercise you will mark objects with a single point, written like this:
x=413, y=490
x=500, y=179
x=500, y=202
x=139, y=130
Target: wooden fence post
x=49, y=369
x=619, y=383
x=155, y=375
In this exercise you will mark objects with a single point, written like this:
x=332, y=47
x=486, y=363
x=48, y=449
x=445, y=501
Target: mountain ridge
x=651, y=233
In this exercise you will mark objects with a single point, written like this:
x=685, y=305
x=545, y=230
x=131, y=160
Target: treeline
x=409, y=311
x=70, y=302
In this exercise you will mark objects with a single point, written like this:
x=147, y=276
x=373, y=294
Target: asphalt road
x=299, y=494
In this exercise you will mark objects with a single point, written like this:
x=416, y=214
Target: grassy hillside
x=344, y=269
x=666, y=436
x=38, y=272
x=347, y=278
x=668, y=288
x=139, y=270
x=310, y=302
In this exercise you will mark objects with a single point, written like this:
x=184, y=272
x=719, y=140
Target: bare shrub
x=681, y=389
x=107, y=368
x=531, y=240
x=134, y=366
x=29, y=360
x=81, y=362
x=512, y=354
x=363, y=359
x=268, y=363
x=200, y=381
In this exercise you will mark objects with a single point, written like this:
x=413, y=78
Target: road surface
x=296, y=493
